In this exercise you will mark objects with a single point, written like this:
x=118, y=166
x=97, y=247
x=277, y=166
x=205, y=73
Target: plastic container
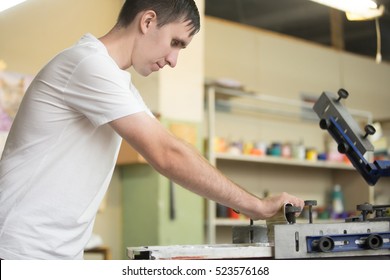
x=337, y=202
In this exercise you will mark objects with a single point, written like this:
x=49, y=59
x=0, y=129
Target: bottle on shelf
x=337, y=202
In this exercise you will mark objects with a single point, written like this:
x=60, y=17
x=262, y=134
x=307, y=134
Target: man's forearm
x=191, y=170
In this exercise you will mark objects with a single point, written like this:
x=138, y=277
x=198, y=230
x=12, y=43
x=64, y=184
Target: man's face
x=160, y=46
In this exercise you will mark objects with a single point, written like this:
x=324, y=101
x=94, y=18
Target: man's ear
x=148, y=18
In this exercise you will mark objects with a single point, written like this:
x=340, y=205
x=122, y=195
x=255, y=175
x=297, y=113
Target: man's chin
x=145, y=73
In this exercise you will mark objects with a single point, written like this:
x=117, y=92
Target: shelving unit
x=307, y=179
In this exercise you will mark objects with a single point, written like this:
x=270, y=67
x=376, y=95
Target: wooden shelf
x=284, y=161
x=245, y=222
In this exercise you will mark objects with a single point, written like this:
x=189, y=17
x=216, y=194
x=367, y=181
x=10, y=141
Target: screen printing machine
x=366, y=236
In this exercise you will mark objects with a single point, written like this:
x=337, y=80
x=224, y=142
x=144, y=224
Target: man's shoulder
x=88, y=45
x=87, y=51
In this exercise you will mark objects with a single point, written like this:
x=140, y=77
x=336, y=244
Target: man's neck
x=119, y=43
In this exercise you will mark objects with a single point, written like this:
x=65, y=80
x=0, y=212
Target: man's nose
x=172, y=58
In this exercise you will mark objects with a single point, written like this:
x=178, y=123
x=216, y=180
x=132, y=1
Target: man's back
x=60, y=153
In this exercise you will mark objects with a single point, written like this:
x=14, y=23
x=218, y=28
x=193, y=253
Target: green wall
x=146, y=201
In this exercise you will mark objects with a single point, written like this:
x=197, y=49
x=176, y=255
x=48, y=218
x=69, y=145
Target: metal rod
x=251, y=231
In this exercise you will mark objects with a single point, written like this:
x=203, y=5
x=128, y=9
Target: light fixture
x=355, y=9
x=367, y=15
x=6, y=4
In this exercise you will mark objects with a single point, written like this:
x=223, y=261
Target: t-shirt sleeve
x=101, y=91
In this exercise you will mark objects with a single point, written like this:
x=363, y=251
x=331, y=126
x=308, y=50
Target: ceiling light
x=359, y=10
x=368, y=14
x=355, y=9
x=6, y=4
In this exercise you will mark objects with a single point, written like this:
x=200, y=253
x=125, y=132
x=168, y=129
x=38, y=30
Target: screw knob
x=324, y=124
x=369, y=129
x=366, y=209
x=343, y=94
x=310, y=203
x=290, y=211
x=343, y=148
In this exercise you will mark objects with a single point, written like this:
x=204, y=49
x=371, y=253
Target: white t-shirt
x=60, y=153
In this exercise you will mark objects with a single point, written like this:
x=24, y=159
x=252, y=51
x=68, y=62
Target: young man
x=62, y=148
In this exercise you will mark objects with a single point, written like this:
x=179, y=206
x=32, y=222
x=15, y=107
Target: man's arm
x=184, y=165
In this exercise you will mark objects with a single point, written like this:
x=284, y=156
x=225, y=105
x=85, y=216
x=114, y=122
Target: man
x=61, y=150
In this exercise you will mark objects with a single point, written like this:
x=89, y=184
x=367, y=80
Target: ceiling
x=306, y=20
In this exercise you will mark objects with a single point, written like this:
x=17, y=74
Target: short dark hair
x=167, y=11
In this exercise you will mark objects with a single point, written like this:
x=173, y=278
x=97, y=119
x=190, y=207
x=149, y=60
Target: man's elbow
x=169, y=162
x=163, y=163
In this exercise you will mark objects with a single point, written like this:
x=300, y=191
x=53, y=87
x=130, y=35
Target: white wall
x=279, y=65
x=36, y=30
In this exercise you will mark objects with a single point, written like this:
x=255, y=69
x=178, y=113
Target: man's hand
x=271, y=205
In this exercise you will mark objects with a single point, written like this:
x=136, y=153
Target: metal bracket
x=349, y=137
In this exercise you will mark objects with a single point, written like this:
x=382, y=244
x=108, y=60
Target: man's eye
x=175, y=43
